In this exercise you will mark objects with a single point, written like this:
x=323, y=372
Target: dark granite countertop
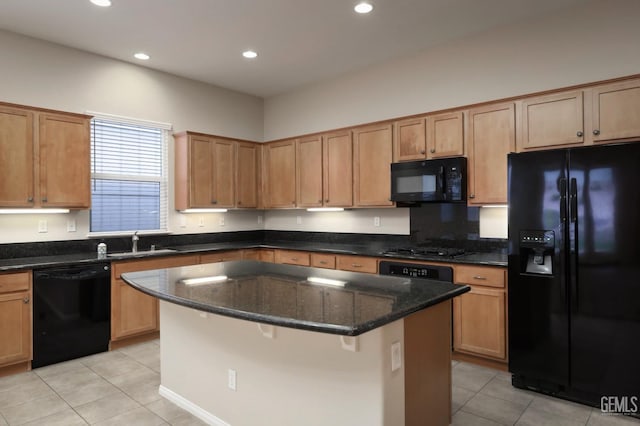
x=370, y=249
x=322, y=300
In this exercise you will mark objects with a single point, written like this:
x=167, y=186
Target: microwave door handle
x=443, y=183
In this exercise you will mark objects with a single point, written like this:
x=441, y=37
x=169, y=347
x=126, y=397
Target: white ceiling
x=298, y=41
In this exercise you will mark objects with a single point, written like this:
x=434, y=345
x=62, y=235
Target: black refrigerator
x=574, y=272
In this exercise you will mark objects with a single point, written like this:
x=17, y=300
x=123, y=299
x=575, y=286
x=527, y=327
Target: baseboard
x=192, y=408
x=117, y=344
x=498, y=365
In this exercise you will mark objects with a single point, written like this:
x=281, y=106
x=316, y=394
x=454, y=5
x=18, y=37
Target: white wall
x=42, y=74
x=581, y=45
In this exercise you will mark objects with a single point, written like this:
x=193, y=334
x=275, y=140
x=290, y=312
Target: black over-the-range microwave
x=430, y=181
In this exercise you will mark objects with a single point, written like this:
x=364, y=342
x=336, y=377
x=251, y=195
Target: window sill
x=126, y=233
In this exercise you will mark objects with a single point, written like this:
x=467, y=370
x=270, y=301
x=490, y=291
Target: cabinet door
x=247, y=167
x=410, y=142
x=338, y=170
x=445, y=135
x=64, y=149
x=552, y=120
x=479, y=322
x=616, y=111
x=225, y=256
x=16, y=157
x=372, y=150
x=15, y=327
x=224, y=156
x=309, y=172
x=280, y=172
x=491, y=138
x=134, y=312
x=201, y=161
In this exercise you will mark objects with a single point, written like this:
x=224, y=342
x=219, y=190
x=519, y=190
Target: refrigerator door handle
x=573, y=249
x=562, y=187
x=573, y=198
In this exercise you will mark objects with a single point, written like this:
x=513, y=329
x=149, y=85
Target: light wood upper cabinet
x=445, y=135
x=247, y=167
x=338, y=169
x=309, y=172
x=552, y=120
x=64, y=183
x=616, y=111
x=280, y=174
x=491, y=138
x=410, y=142
x=49, y=167
x=373, y=154
x=16, y=157
x=15, y=318
x=205, y=171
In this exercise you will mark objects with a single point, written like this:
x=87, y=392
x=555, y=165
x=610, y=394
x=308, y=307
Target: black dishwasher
x=71, y=312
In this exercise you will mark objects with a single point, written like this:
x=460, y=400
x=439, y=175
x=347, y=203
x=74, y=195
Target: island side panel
x=427, y=359
x=299, y=377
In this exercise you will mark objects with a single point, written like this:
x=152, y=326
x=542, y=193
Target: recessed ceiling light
x=249, y=54
x=363, y=7
x=102, y=3
x=142, y=56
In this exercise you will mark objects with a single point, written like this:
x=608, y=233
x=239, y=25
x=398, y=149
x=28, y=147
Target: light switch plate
x=42, y=226
x=71, y=225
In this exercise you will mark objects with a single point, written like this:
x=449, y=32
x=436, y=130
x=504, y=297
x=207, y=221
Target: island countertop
x=322, y=300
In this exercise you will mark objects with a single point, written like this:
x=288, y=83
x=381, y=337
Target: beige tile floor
x=121, y=388
x=485, y=397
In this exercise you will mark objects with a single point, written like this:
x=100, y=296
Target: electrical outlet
x=71, y=225
x=396, y=356
x=232, y=379
x=299, y=220
x=183, y=221
x=201, y=221
x=42, y=226
x=221, y=220
x=376, y=221
x=259, y=219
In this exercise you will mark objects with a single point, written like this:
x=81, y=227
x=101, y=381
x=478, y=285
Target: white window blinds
x=129, y=175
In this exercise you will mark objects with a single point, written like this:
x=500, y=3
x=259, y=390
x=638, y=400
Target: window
x=128, y=175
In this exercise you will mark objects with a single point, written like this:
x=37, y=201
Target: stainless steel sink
x=141, y=253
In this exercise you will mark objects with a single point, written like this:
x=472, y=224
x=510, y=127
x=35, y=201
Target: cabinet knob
x=479, y=277
x=239, y=203
x=472, y=195
x=596, y=132
x=320, y=201
x=323, y=262
x=579, y=134
x=26, y=300
x=30, y=199
x=44, y=200
x=356, y=265
x=433, y=150
x=214, y=202
x=326, y=201
x=422, y=151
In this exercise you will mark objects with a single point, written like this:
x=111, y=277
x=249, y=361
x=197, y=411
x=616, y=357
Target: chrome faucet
x=134, y=242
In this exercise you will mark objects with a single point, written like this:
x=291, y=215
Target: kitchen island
x=247, y=343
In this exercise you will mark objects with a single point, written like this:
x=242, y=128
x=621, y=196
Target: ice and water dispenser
x=536, y=251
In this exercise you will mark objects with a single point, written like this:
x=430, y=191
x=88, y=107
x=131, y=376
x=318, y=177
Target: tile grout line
x=61, y=398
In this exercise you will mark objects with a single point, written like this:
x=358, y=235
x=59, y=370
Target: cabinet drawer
x=120, y=268
x=480, y=275
x=224, y=256
x=292, y=257
x=14, y=282
x=323, y=260
x=358, y=264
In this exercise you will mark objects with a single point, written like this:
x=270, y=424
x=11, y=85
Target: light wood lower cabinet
x=15, y=319
x=479, y=316
x=357, y=264
x=323, y=260
x=292, y=257
x=134, y=313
